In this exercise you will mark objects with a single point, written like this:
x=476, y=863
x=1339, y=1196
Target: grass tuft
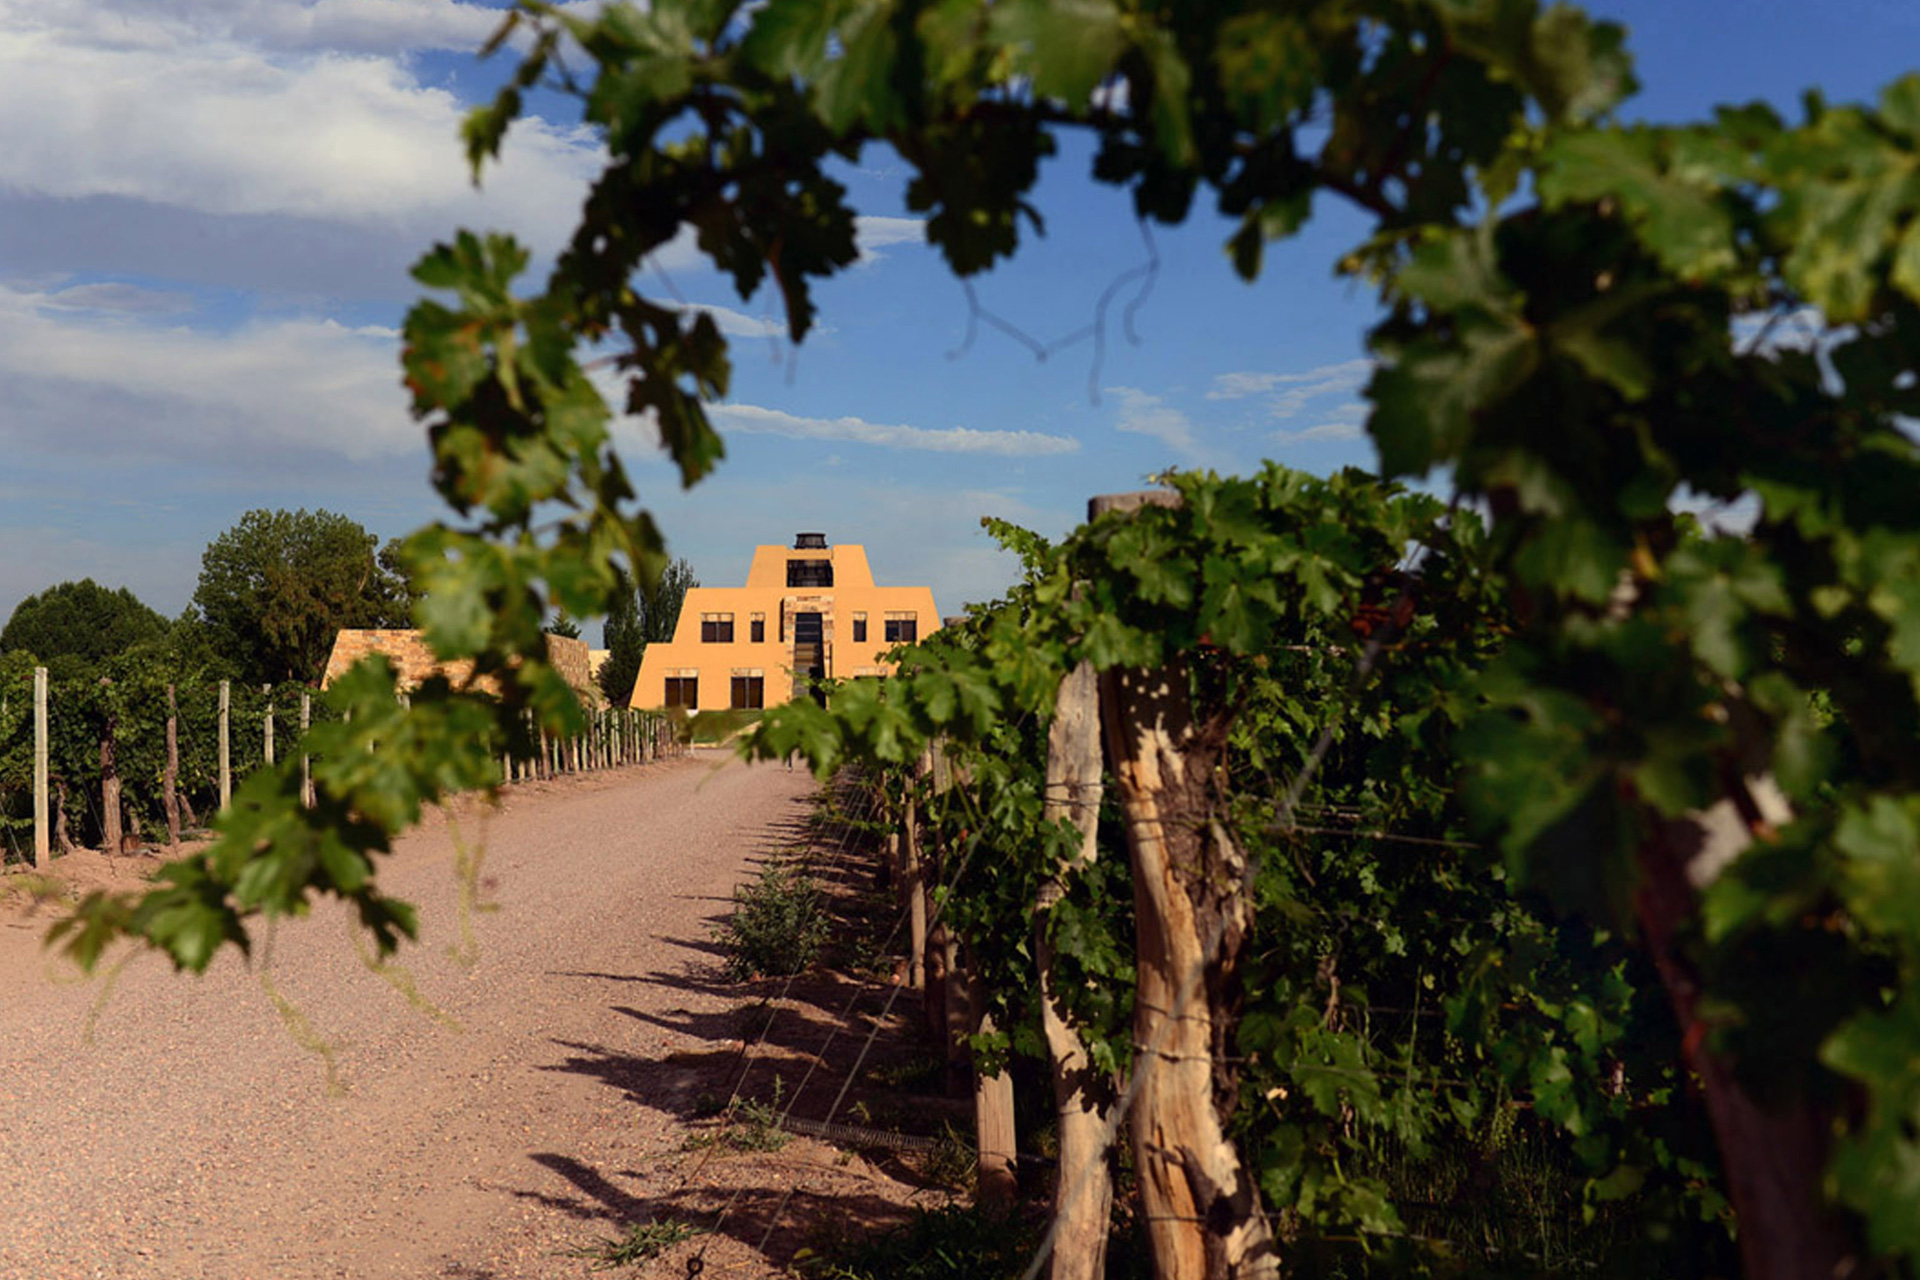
x=643, y=1242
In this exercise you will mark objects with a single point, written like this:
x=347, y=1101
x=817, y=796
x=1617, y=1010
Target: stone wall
x=414, y=663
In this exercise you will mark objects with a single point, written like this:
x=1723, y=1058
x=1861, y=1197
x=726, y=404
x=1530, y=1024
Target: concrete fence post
x=306, y=761
x=170, y=780
x=42, y=847
x=226, y=745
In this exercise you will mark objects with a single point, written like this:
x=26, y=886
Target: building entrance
x=810, y=655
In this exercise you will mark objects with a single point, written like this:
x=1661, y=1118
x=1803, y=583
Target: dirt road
x=194, y=1137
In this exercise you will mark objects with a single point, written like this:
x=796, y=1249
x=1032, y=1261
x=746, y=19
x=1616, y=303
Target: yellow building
x=808, y=612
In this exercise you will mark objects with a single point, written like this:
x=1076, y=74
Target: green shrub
x=778, y=926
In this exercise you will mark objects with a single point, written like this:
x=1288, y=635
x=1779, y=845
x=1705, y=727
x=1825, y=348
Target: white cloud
x=738, y=324
x=1343, y=422
x=1291, y=392
x=1148, y=415
x=84, y=381
x=119, y=103
x=1237, y=386
x=753, y=419
x=359, y=26
x=874, y=232
x=128, y=299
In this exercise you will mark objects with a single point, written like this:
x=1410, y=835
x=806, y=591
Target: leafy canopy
x=278, y=586
x=73, y=626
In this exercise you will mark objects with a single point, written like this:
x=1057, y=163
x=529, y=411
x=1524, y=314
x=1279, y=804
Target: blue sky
x=207, y=209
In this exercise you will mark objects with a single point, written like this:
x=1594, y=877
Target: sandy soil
x=165, y=1126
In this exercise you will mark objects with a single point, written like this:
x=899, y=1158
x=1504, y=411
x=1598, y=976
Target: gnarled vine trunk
x=1191, y=916
x=1774, y=1157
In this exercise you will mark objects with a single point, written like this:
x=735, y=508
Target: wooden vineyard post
x=914, y=887
x=266, y=734
x=110, y=835
x=226, y=758
x=994, y=1138
x=306, y=761
x=170, y=780
x=42, y=849
x=1082, y=1095
x=957, y=1006
x=1191, y=914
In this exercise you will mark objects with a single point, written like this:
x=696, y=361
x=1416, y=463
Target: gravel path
x=193, y=1137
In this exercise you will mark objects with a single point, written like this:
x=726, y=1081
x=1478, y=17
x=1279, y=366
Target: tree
x=638, y=616
x=1711, y=744
x=276, y=588
x=74, y=626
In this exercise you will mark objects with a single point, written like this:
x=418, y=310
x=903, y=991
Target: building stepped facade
x=809, y=612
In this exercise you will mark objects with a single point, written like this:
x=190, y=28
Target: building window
x=757, y=628
x=683, y=692
x=859, y=628
x=716, y=628
x=749, y=690
x=809, y=573
x=903, y=628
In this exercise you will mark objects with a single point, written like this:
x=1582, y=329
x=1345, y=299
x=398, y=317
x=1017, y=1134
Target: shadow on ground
x=842, y=1039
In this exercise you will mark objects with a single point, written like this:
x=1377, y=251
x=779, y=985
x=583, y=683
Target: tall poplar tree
x=638, y=616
